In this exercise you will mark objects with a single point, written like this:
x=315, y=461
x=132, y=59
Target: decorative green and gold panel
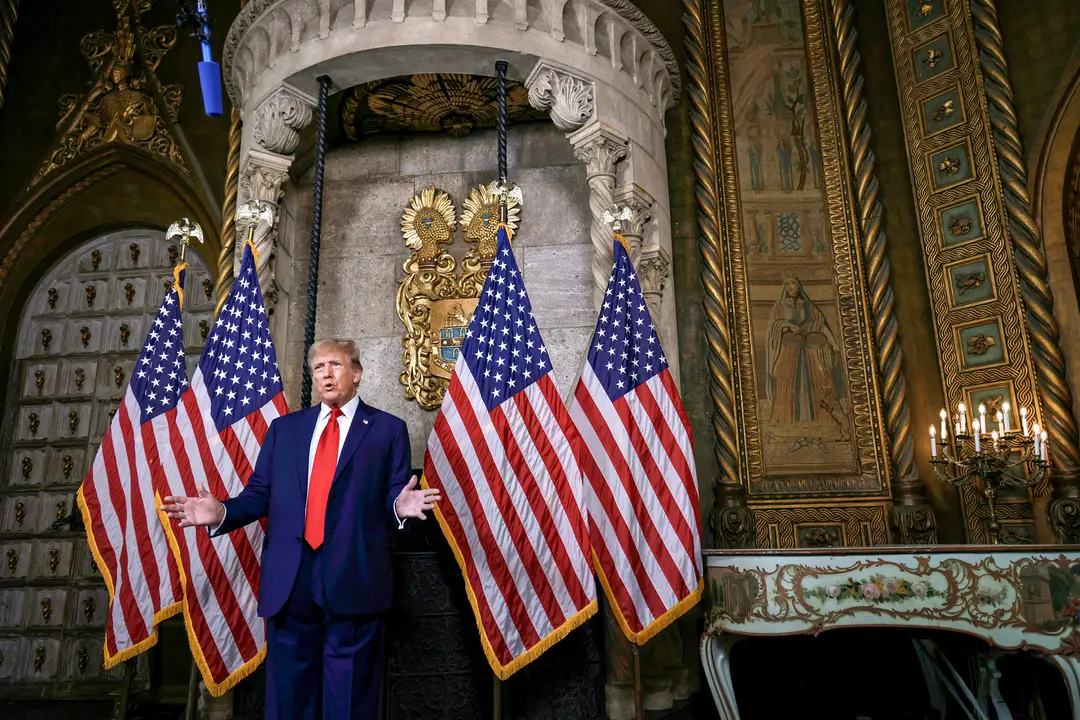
x=976, y=304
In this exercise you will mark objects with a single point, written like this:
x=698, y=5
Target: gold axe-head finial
x=184, y=231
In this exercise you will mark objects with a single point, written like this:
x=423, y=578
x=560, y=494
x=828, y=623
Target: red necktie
x=322, y=475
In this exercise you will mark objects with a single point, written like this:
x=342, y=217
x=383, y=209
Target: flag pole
x=316, y=235
x=614, y=217
x=500, y=131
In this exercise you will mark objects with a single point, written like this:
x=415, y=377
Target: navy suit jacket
x=372, y=471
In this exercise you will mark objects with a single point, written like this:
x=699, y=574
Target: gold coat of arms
x=434, y=302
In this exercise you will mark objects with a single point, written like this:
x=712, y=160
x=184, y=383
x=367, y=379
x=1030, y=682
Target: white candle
x=1036, y=438
x=999, y=419
x=982, y=417
x=1045, y=443
x=975, y=427
x=994, y=435
x=963, y=418
x=957, y=433
x=1023, y=420
x=933, y=442
x=1005, y=409
x=944, y=420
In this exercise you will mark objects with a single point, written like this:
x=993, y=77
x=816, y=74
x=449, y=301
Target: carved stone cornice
x=263, y=175
x=567, y=97
x=280, y=118
x=611, y=36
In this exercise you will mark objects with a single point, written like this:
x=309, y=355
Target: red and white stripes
x=642, y=500
x=513, y=514
x=125, y=534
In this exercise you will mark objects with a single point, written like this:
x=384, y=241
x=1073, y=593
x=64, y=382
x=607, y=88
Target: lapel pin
x=365, y=422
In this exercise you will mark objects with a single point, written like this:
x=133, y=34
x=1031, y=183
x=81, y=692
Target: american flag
x=502, y=453
x=214, y=440
x=638, y=463
x=117, y=495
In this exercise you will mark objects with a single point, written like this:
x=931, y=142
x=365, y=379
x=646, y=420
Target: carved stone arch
x=110, y=188
x=1054, y=187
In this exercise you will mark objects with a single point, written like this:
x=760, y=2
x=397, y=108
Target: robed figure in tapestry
x=805, y=377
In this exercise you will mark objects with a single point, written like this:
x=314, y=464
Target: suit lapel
x=361, y=423
x=306, y=422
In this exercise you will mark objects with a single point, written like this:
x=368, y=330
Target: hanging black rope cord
x=316, y=236
x=500, y=72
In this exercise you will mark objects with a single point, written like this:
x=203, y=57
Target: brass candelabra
x=1003, y=458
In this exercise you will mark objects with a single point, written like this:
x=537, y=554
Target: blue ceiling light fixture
x=209, y=71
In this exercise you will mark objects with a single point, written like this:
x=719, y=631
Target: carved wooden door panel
x=79, y=336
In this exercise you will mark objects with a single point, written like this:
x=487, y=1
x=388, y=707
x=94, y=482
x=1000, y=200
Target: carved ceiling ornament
x=434, y=303
x=441, y=102
x=120, y=105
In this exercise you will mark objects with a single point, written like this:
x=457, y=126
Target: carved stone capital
x=1064, y=517
x=280, y=118
x=600, y=147
x=263, y=175
x=641, y=206
x=568, y=98
x=652, y=271
x=914, y=524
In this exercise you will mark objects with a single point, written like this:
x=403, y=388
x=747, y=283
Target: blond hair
x=341, y=344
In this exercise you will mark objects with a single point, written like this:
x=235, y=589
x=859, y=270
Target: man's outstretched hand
x=194, y=511
x=412, y=503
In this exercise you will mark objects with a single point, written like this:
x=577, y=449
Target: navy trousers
x=320, y=667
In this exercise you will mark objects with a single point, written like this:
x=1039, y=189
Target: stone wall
x=367, y=186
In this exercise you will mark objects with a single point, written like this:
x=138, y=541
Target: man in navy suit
x=332, y=481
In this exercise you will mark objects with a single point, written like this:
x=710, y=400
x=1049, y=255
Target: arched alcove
x=77, y=337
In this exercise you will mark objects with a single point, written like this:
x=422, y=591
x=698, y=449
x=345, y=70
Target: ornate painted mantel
x=1014, y=600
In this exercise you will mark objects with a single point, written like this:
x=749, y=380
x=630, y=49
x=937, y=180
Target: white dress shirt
x=348, y=412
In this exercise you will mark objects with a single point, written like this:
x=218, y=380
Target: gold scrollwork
x=39, y=380
x=120, y=105
x=134, y=251
x=34, y=422
x=46, y=339
x=54, y=560
x=69, y=465
x=12, y=560
x=46, y=610
x=27, y=468
x=20, y=515
x=125, y=334
x=54, y=295
x=83, y=659
x=118, y=376
x=129, y=292
x=434, y=304
x=73, y=421
x=85, y=335
x=95, y=258
x=39, y=658
x=80, y=378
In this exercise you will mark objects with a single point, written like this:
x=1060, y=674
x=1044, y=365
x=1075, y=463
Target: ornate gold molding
x=731, y=522
x=125, y=103
x=228, y=213
x=28, y=233
x=913, y=520
x=228, y=209
x=1038, y=299
x=966, y=244
x=9, y=13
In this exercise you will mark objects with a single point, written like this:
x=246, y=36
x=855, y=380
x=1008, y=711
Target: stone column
x=600, y=147
x=652, y=272
x=265, y=168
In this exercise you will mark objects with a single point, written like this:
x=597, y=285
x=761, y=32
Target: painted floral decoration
x=878, y=589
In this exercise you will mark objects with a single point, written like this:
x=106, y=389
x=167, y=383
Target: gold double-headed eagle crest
x=434, y=302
